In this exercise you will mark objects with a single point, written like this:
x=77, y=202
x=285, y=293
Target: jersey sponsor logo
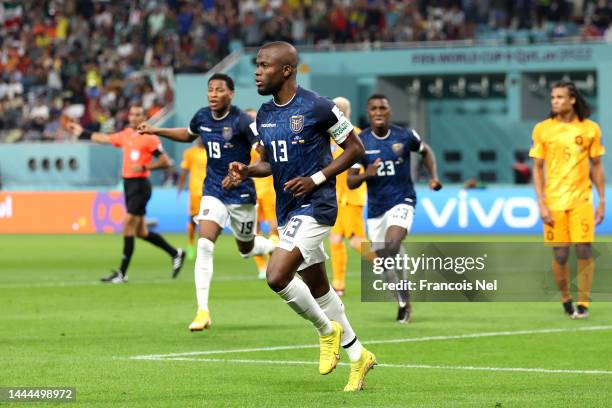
x=398, y=148
x=296, y=123
x=268, y=125
x=134, y=155
x=227, y=133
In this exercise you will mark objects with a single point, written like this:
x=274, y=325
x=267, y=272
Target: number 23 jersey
x=392, y=184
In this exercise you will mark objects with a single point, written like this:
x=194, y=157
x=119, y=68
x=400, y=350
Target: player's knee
x=276, y=280
x=584, y=251
x=205, y=247
x=355, y=243
x=561, y=255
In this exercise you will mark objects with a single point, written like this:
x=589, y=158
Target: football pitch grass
x=128, y=345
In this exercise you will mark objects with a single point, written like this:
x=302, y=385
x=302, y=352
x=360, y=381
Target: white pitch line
x=406, y=366
x=388, y=341
x=60, y=284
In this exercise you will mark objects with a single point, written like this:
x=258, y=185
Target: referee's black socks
x=160, y=242
x=128, y=250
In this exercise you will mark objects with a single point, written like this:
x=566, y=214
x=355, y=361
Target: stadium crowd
x=88, y=60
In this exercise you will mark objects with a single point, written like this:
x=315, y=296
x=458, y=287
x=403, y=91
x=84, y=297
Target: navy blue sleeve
x=193, y=125
x=247, y=127
x=323, y=113
x=414, y=141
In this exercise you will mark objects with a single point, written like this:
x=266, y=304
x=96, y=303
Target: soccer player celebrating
x=294, y=131
x=391, y=195
x=266, y=203
x=563, y=147
x=349, y=222
x=194, y=166
x=227, y=134
x=138, y=152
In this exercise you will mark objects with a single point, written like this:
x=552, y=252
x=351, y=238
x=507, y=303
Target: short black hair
x=223, y=77
x=581, y=107
x=377, y=96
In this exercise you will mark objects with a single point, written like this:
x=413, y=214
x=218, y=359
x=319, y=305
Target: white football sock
x=203, y=271
x=261, y=246
x=334, y=309
x=298, y=297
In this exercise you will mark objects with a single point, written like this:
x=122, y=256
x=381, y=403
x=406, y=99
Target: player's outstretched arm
x=237, y=172
x=176, y=134
x=429, y=161
x=598, y=178
x=353, y=152
x=355, y=178
x=261, y=168
x=78, y=131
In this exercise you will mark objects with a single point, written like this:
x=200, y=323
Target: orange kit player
x=266, y=206
x=349, y=223
x=566, y=153
x=194, y=165
x=138, y=153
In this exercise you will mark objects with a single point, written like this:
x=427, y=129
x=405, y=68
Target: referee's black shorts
x=137, y=194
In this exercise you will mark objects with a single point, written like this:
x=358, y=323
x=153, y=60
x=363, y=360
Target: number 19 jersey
x=226, y=140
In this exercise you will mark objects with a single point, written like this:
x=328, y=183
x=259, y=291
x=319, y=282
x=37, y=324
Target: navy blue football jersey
x=393, y=183
x=226, y=140
x=296, y=137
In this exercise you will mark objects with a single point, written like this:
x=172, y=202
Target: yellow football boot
x=329, y=349
x=359, y=369
x=202, y=321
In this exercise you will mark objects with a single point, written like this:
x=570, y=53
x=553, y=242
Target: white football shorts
x=306, y=234
x=242, y=217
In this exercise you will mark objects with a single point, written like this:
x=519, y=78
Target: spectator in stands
x=86, y=50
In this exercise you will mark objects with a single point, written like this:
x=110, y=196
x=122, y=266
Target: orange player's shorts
x=266, y=208
x=349, y=221
x=571, y=226
x=194, y=204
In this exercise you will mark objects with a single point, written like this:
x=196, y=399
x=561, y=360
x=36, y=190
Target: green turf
x=59, y=327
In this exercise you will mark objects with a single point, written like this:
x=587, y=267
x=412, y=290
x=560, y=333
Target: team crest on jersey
x=398, y=148
x=227, y=133
x=297, y=123
x=578, y=140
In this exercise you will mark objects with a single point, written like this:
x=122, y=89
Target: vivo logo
x=463, y=205
x=6, y=207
